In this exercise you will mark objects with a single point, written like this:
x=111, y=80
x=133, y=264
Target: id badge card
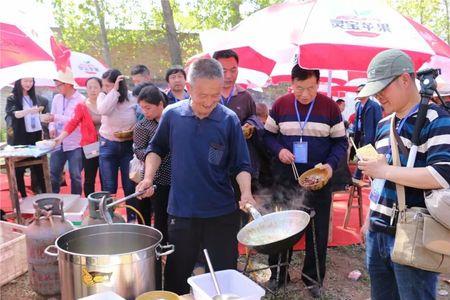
x=377, y=188
x=301, y=152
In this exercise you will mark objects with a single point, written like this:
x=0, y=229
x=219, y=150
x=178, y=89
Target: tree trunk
x=171, y=33
x=237, y=17
x=447, y=22
x=103, y=33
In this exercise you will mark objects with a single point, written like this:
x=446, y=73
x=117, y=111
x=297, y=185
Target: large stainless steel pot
x=99, y=258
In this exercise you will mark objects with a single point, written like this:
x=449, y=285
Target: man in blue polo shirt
x=206, y=143
x=391, y=79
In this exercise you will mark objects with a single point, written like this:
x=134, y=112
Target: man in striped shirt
x=306, y=128
x=391, y=80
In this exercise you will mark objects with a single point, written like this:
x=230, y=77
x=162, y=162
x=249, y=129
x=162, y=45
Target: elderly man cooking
x=207, y=145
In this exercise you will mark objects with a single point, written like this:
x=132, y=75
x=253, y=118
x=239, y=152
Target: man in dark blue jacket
x=367, y=115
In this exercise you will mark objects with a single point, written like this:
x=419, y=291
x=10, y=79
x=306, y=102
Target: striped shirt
x=324, y=131
x=433, y=153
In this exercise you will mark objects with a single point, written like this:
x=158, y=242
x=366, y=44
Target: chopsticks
x=357, y=155
x=294, y=170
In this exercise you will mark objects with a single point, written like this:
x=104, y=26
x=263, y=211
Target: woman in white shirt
x=118, y=110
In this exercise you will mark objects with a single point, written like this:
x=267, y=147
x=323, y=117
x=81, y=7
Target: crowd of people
x=204, y=148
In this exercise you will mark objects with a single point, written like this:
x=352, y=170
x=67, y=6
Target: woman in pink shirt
x=118, y=110
x=88, y=119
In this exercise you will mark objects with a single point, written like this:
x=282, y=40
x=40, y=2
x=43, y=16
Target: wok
x=275, y=232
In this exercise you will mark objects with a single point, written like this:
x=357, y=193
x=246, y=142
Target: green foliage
x=79, y=23
x=431, y=13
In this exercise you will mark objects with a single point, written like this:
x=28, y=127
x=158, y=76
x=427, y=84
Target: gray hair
x=207, y=68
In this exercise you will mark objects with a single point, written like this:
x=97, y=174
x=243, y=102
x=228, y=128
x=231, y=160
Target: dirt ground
x=341, y=261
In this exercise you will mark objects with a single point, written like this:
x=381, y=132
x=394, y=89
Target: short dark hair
x=111, y=75
x=226, y=54
x=340, y=100
x=303, y=74
x=138, y=88
x=152, y=95
x=140, y=69
x=174, y=70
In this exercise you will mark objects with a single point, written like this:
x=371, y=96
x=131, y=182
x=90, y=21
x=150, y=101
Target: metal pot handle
x=49, y=253
x=171, y=249
x=253, y=211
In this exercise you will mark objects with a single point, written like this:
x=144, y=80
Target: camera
x=428, y=84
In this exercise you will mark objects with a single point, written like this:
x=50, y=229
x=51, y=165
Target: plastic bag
x=136, y=172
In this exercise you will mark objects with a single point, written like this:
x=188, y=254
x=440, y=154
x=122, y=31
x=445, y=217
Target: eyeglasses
x=380, y=93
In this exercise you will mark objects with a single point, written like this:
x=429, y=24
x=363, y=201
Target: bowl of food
x=124, y=134
x=46, y=144
x=247, y=130
x=158, y=295
x=314, y=179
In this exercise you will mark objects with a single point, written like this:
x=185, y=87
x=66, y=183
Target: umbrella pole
x=330, y=73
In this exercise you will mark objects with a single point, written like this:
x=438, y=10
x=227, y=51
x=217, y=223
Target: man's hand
x=327, y=168
x=286, y=157
x=246, y=198
x=118, y=80
x=47, y=118
x=375, y=168
x=363, y=231
x=147, y=185
x=52, y=133
x=58, y=140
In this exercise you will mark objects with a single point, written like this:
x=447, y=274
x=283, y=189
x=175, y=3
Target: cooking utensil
x=294, y=170
x=219, y=295
x=103, y=206
x=275, y=232
x=119, y=257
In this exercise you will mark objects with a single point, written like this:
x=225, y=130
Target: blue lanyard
x=400, y=126
x=26, y=100
x=307, y=116
x=64, y=105
x=227, y=100
x=359, y=121
x=402, y=122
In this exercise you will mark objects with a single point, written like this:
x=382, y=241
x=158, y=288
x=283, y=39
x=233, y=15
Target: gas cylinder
x=94, y=216
x=48, y=225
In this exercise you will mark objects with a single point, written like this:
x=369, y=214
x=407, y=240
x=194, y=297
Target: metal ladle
x=103, y=207
x=219, y=295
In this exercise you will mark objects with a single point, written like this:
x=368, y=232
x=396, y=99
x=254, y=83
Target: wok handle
x=171, y=249
x=128, y=197
x=50, y=253
x=253, y=211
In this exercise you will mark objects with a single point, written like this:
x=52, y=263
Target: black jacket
x=16, y=133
